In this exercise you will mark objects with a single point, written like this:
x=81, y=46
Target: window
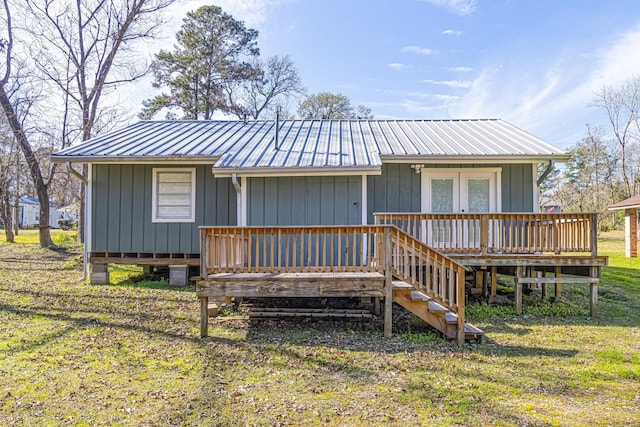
x=174, y=195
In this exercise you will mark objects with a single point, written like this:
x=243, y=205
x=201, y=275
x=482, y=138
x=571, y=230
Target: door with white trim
x=458, y=190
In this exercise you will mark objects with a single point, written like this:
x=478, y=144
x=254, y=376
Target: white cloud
x=417, y=49
x=450, y=32
x=554, y=100
x=460, y=69
x=459, y=7
x=254, y=13
x=450, y=83
x=398, y=66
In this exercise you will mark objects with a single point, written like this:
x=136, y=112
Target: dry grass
x=128, y=354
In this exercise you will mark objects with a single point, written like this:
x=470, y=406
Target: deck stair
x=432, y=312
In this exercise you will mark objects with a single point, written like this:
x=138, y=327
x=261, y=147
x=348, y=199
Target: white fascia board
x=472, y=159
x=142, y=160
x=262, y=172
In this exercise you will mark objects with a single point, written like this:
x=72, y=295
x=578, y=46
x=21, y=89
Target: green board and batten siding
x=304, y=200
x=121, y=210
x=398, y=188
x=121, y=202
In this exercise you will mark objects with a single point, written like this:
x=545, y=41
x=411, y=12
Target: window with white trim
x=174, y=192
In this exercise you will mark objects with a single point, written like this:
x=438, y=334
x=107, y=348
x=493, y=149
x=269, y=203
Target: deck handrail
x=383, y=249
x=430, y=272
x=278, y=249
x=495, y=233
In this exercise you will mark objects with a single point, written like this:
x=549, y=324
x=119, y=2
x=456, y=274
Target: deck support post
x=593, y=300
x=520, y=274
x=388, y=285
x=558, y=287
x=460, y=295
x=376, y=306
x=494, y=281
x=99, y=274
x=204, y=317
x=179, y=275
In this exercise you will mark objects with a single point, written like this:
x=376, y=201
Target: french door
x=455, y=191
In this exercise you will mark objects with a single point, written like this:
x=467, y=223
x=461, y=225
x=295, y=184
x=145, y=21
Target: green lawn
x=128, y=354
x=59, y=237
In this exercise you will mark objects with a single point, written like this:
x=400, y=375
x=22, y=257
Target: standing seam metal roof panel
x=312, y=143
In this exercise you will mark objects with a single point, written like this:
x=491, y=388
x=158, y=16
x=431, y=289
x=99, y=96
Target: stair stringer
x=421, y=309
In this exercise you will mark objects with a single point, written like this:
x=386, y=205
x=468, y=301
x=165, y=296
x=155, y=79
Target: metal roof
x=249, y=147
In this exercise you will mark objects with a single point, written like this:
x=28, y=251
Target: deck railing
x=495, y=233
x=429, y=271
x=383, y=249
x=290, y=249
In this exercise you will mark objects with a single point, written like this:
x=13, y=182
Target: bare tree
x=277, y=81
x=84, y=51
x=327, y=105
x=20, y=134
x=590, y=184
x=623, y=107
x=7, y=154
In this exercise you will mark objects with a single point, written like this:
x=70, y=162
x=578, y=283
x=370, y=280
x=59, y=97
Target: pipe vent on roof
x=276, y=139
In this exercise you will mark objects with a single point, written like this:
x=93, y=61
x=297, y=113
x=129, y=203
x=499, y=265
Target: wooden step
x=451, y=318
x=419, y=296
x=436, y=308
x=472, y=330
x=400, y=285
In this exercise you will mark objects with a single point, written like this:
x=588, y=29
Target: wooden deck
x=527, y=246
x=416, y=260
x=330, y=261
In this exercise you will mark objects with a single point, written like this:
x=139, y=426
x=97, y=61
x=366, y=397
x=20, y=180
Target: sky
x=534, y=63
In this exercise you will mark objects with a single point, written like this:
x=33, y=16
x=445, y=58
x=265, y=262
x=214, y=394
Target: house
x=549, y=205
x=630, y=207
x=69, y=214
x=29, y=213
x=154, y=183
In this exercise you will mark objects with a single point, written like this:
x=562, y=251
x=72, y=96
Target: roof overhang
x=308, y=171
x=621, y=208
x=632, y=202
x=441, y=159
x=136, y=159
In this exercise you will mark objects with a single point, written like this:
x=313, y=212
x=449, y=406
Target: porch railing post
x=388, y=284
x=460, y=303
x=594, y=234
x=484, y=234
x=204, y=255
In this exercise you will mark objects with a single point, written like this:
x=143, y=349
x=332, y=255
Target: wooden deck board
x=514, y=260
x=339, y=284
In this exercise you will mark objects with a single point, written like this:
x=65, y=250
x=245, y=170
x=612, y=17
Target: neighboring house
x=152, y=184
x=630, y=207
x=29, y=213
x=548, y=205
x=69, y=213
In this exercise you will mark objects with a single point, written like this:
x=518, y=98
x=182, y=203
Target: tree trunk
x=34, y=168
x=5, y=215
